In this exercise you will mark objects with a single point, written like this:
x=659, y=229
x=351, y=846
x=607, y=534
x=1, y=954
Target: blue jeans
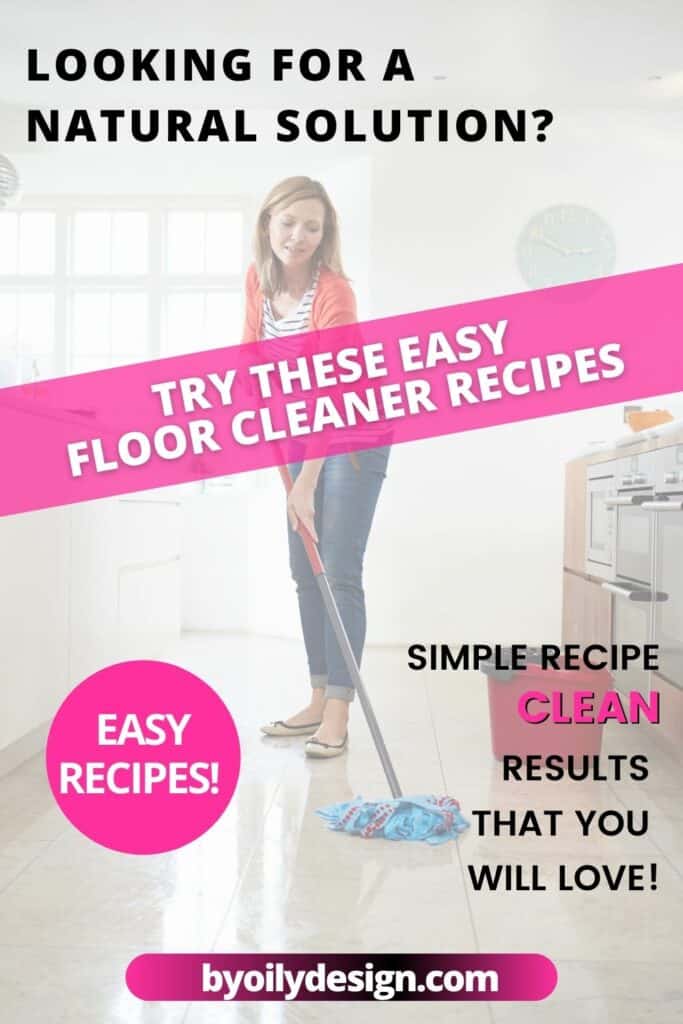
x=345, y=502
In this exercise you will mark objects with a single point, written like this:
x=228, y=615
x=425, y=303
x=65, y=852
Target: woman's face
x=296, y=231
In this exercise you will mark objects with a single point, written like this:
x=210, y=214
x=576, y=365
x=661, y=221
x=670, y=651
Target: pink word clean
x=582, y=707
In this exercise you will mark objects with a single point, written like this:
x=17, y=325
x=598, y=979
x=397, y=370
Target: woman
x=295, y=284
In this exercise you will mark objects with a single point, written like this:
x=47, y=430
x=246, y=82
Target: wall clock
x=565, y=243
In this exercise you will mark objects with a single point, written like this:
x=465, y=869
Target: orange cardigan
x=334, y=304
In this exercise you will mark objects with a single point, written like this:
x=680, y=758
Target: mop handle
x=308, y=542
x=344, y=645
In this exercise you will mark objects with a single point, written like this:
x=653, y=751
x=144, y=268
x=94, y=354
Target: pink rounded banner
x=143, y=757
x=376, y=977
x=417, y=375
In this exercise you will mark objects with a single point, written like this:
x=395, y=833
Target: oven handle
x=631, y=499
x=636, y=593
x=664, y=506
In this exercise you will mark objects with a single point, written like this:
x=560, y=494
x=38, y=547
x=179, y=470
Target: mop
x=427, y=818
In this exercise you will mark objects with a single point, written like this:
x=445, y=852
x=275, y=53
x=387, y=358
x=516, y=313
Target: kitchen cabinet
x=218, y=530
x=93, y=588
x=590, y=613
x=575, y=516
x=148, y=609
x=125, y=581
x=586, y=611
x=81, y=587
x=34, y=555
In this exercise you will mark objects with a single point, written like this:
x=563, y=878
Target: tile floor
x=269, y=877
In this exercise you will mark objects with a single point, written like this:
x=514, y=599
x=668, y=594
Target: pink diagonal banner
x=401, y=378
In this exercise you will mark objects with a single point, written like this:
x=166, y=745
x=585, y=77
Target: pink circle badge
x=143, y=757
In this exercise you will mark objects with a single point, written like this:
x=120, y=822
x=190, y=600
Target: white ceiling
x=540, y=52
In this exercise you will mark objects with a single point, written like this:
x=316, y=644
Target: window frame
x=157, y=283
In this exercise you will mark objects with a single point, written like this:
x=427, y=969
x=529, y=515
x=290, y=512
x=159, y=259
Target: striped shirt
x=298, y=322
x=294, y=323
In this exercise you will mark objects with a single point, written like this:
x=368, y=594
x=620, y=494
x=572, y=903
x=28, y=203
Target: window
x=203, y=242
x=104, y=242
x=193, y=320
x=87, y=284
x=27, y=243
x=27, y=301
x=27, y=336
x=107, y=328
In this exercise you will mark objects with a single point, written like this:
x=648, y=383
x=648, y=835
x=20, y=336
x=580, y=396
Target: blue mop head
x=429, y=819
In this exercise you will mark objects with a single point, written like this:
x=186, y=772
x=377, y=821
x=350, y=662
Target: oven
x=667, y=512
x=600, y=520
x=633, y=582
x=634, y=525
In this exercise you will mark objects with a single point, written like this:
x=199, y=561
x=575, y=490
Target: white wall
x=468, y=538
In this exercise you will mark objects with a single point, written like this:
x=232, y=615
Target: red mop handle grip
x=308, y=542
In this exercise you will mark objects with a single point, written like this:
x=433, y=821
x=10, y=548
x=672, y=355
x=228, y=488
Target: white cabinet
x=81, y=587
x=149, y=609
x=34, y=616
x=93, y=588
x=149, y=529
x=125, y=581
x=215, y=560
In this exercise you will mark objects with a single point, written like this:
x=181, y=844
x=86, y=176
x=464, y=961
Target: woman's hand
x=301, y=505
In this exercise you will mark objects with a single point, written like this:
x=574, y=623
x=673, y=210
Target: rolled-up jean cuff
x=318, y=682
x=346, y=693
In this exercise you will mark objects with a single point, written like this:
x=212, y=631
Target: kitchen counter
x=634, y=443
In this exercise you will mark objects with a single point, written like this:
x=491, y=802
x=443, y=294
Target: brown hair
x=291, y=190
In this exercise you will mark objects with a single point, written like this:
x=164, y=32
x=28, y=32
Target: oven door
x=635, y=528
x=668, y=616
x=631, y=624
x=600, y=520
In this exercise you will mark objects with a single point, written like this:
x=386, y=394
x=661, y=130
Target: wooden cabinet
x=575, y=516
x=586, y=611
